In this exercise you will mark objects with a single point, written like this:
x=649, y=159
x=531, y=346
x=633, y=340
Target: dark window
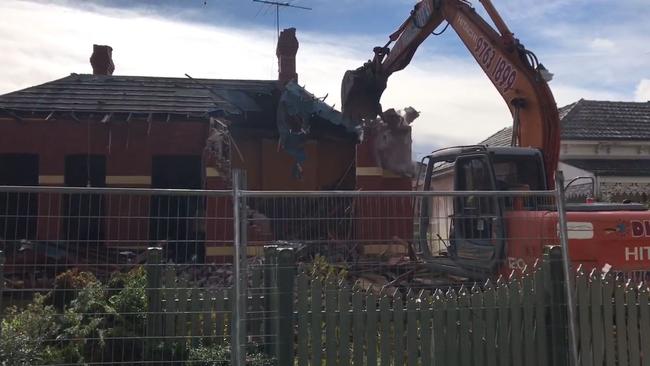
x=518, y=173
x=18, y=211
x=83, y=213
x=474, y=213
x=178, y=219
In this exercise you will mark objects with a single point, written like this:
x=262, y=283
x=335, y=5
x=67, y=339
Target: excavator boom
x=514, y=71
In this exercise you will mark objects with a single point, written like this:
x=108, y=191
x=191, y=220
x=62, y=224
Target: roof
x=501, y=138
x=613, y=167
x=141, y=94
x=594, y=120
x=603, y=120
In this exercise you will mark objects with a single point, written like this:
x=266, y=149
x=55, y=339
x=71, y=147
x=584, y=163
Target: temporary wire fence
x=144, y=276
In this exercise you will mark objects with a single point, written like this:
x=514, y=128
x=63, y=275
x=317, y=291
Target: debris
x=391, y=136
x=296, y=110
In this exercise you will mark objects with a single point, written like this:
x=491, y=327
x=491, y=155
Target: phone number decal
x=502, y=73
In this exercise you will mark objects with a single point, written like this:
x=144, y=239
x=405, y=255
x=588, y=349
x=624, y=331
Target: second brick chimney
x=102, y=60
x=286, y=52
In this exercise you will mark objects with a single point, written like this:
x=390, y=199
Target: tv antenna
x=277, y=5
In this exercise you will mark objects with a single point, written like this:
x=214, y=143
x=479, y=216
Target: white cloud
x=458, y=104
x=642, y=93
x=602, y=45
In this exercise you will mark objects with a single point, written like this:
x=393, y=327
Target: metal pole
x=2, y=284
x=238, y=354
x=566, y=265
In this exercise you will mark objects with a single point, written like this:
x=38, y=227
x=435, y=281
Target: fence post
x=286, y=274
x=566, y=266
x=154, y=284
x=556, y=296
x=270, y=300
x=2, y=285
x=240, y=222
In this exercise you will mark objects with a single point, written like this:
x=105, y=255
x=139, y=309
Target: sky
x=597, y=49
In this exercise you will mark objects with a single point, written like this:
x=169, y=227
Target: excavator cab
x=465, y=234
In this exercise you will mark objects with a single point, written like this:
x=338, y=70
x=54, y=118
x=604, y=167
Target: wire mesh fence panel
x=115, y=276
x=145, y=276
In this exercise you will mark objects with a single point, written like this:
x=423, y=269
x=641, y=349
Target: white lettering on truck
x=637, y=253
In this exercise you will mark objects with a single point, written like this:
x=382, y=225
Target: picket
x=344, y=330
x=426, y=347
x=608, y=320
x=206, y=318
x=256, y=309
x=220, y=315
x=195, y=308
x=439, y=333
x=303, y=319
x=316, y=322
x=398, y=327
x=621, y=331
x=478, y=326
x=515, y=322
x=465, y=328
x=357, y=327
x=489, y=301
x=385, y=339
x=504, y=324
x=632, y=324
x=451, y=309
x=583, y=318
x=598, y=331
x=371, y=329
x=644, y=321
x=541, y=320
x=411, y=330
x=330, y=323
x=530, y=354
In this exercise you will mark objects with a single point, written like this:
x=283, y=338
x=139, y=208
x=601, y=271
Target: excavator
x=486, y=235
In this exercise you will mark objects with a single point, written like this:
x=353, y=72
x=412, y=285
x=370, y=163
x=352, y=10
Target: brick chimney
x=102, y=60
x=286, y=52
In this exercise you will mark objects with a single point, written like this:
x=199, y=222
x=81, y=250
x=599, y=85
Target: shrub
x=219, y=355
x=26, y=334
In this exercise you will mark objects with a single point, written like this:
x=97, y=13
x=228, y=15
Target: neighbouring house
x=607, y=143
x=105, y=130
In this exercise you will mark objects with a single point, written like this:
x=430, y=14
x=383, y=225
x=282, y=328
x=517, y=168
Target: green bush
x=80, y=321
x=26, y=334
x=95, y=322
x=219, y=355
x=321, y=269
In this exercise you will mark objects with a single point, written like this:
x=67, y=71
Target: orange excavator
x=485, y=235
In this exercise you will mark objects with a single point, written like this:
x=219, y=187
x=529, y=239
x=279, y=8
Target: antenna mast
x=277, y=5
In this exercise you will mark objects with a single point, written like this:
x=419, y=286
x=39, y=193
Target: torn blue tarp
x=296, y=110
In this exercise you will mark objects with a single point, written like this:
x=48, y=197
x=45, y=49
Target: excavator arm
x=514, y=71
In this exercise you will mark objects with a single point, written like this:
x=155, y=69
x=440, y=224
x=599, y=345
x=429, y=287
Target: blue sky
x=597, y=49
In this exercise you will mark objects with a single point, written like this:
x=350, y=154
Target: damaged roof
x=141, y=95
x=594, y=120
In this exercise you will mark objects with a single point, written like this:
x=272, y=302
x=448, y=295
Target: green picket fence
x=613, y=317
x=518, y=321
x=498, y=324
x=521, y=321
x=181, y=312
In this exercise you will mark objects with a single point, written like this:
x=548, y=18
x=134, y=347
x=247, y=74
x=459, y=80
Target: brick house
x=105, y=130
